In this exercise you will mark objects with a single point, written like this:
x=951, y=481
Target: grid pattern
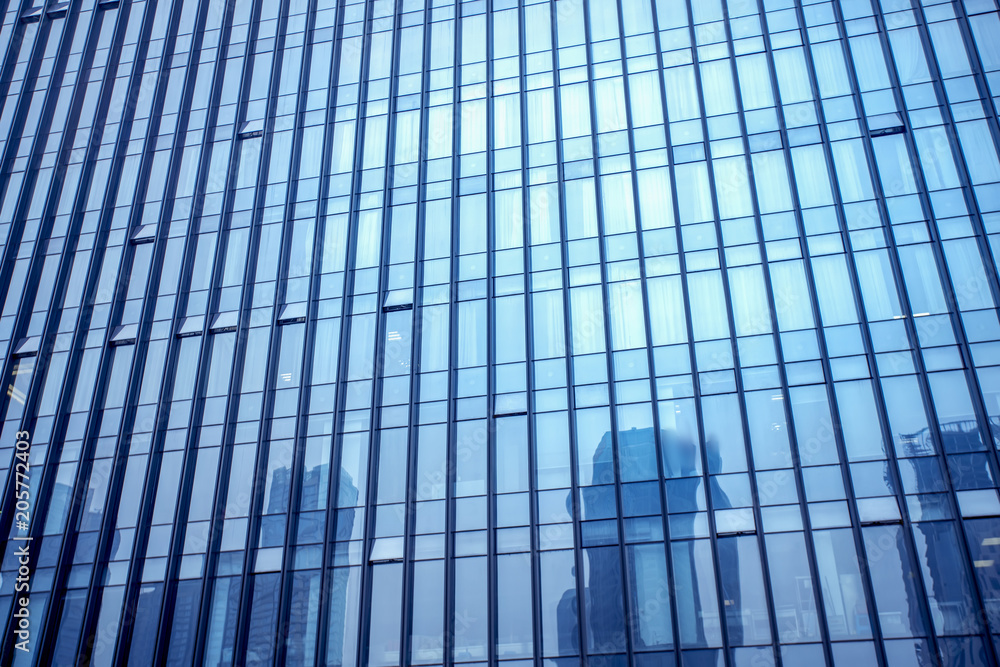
x=531, y=333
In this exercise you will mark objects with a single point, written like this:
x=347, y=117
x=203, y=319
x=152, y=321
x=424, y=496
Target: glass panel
x=471, y=610
x=605, y=611
x=560, y=614
x=342, y=629
x=984, y=546
x=697, y=604
x=264, y=614
x=744, y=600
x=649, y=597
x=514, y=617
x=900, y=611
x=383, y=639
x=792, y=588
x=847, y=615
x=427, y=633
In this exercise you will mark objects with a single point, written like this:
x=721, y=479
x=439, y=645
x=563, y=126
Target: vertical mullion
x=689, y=328
x=533, y=542
x=784, y=387
x=574, y=500
x=332, y=503
x=492, y=567
x=413, y=412
x=835, y=411
x=956, y=151
x=9, y=149
x=33, y=177
x=797, y=467
x=26, y=300
x=452, y=430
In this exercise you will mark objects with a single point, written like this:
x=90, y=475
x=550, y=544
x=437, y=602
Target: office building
x=507, y=333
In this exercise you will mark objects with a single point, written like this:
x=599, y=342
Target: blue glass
x=427, y=635
x=894, y=586
x=605, y=613
x=514, y=614
x=560, y=616
x=632, y=333
x=698, y=609
x=263, y=611
x=980, y=533
x=746, y=609
x=342, y=630
x=470, y=612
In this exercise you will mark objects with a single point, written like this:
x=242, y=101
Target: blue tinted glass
x=514, y=615
x=894, y=582
x=743, y=592
x=448, y=333
x=605, y=611
x=697, y=606
x=264, y=611
x=560, y=613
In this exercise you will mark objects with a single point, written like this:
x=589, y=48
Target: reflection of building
x=569, y=616
x=604, y=584
x=605, y=613
x=304, y=599
x=272, y=525
x=312, y=486
x=945, y=578
x=956, y=437
x=339, y=622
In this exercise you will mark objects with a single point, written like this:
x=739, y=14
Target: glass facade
x=517, y=333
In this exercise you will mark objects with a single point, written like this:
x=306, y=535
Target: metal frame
x=49, y=240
